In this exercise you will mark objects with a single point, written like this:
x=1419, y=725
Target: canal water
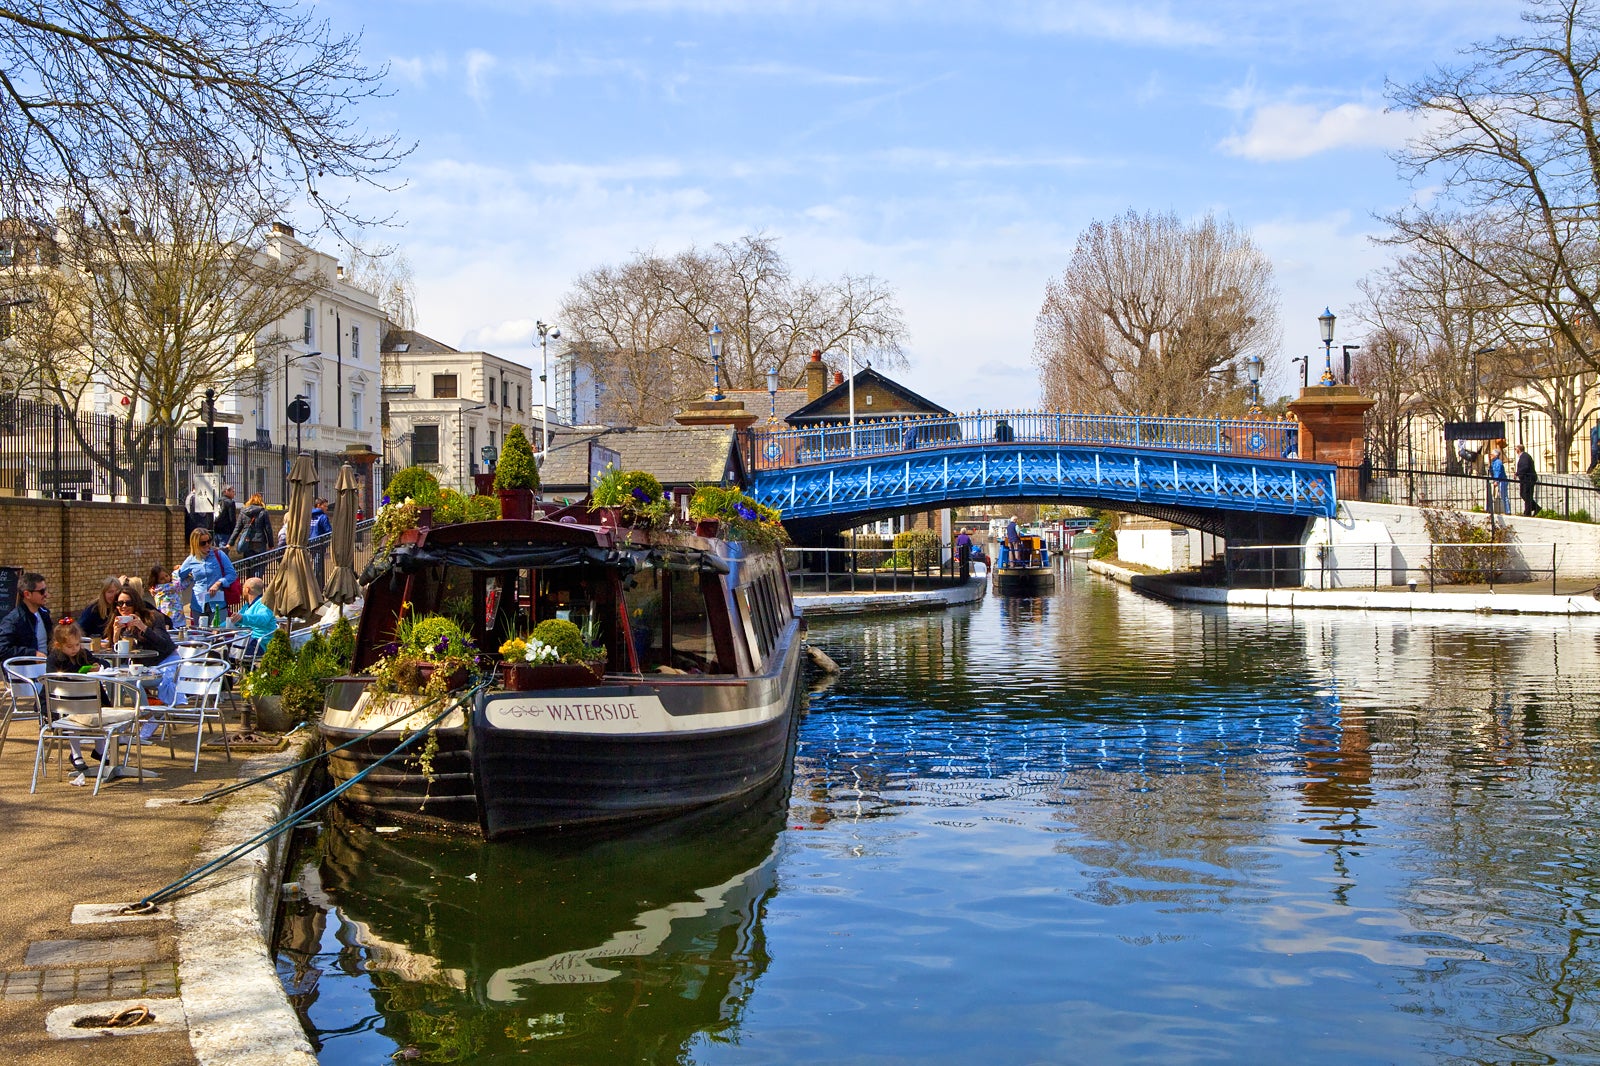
x=1087, y=828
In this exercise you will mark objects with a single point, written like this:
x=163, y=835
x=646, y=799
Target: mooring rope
x=294, y=818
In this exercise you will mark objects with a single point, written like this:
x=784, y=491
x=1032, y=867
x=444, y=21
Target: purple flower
x=641, y=495
x=386, y=499
x=746, y=513
x=390, y=648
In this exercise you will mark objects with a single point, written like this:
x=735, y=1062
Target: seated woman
x=69, y=656
x=137, y=623
x=93, y=618
x=254, y=613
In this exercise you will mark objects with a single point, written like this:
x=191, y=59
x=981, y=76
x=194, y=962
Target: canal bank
x=1579, y=601
x=200, y=967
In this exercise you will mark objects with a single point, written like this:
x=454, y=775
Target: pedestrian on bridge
x=1497, y=470
x=1526, y=480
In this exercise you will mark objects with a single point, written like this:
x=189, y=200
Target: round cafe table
x=142, y=656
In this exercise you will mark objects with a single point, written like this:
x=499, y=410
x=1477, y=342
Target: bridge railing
x=1398, y=564
x=771, y=449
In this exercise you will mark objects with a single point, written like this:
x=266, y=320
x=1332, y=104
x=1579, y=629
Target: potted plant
x=516, y=476
x=738, y=517
x=556, y=654
x=630, y=497
x=430, y=656
x=286, y=687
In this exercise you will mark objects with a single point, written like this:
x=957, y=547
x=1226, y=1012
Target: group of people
x=1525, y=474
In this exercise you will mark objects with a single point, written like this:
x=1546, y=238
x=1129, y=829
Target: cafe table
x=120, y=682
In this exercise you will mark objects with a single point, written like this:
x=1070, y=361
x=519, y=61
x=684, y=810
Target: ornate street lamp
x=1325, y=321
x=714, y=342
x=772, y=390
x=1252, y=367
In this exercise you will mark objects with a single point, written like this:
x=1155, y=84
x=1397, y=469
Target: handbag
x=233, y=592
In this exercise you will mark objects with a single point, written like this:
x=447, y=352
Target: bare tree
x=178, y=296
x=385, y=271
x=259, y=92
x=642, y=327
x=1511, y=138
x=1157, y=316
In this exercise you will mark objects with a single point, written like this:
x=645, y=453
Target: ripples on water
x=1093, y=828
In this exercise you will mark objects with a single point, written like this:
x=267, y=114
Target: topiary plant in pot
x=516, y=475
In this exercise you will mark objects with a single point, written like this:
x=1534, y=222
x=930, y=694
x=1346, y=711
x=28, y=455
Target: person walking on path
x=1497, y=470
x=1526, y=479
x=963, y=554
x=26, y=630
x=227, y=518
x=207, y=572
x=254, y=532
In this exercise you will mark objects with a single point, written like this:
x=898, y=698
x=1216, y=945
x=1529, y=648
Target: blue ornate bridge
x=1201, y=472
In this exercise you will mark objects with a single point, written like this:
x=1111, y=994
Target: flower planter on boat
x=515, y=503
x=526, y=677
x=457, y=678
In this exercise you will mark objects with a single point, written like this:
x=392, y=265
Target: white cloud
x=418, y=70
x=479, y=64
x=1295, y=131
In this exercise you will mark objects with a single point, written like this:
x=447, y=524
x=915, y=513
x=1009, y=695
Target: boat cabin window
x=641, y=592
x=670, y=625
x=694, y=646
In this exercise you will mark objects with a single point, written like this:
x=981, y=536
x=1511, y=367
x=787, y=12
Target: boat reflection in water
x=482, y=953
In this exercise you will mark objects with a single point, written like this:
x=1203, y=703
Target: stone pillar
x=816, y=377
x=1333, y=430
x=715, y=413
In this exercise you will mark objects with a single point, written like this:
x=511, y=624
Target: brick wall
x=78, y=545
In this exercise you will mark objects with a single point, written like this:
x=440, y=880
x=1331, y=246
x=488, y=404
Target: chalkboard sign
x=9, y=576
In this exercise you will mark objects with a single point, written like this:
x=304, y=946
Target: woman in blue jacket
x=207, y=572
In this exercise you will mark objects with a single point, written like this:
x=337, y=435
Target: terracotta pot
x=707, y=527
x=525, y=677
x=515, y=503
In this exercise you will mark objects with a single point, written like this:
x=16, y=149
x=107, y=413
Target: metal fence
x=49, y=453
x=863, y=570
x=265, y=564
x=780, y=449
x=1561, y=495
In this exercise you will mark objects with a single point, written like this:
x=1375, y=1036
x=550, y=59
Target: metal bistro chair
x=22, y=675
x=200, y=685
x=74, y=710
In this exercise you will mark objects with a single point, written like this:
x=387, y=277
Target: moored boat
x=1028, y=569
x=694, y=703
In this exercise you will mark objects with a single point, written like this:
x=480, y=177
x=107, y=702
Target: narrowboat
x=694, y=705
x=1026, y=570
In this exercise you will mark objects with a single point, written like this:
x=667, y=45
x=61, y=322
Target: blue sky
x=954, y=149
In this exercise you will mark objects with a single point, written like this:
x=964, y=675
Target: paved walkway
x=64, y=848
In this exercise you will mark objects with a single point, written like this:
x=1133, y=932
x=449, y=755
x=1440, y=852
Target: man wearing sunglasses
x=26, y=630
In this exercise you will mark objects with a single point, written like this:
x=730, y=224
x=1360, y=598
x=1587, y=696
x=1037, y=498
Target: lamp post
x=772, y=391
x=1252, y=367
x=546, y=331
x=714, y=342
x=1477, y=379
x=1347, y=349
x=1325, y=322
x=1305, y=368
x=288, y=357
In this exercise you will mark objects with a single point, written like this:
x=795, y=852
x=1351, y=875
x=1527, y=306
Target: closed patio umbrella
x=293, y=590
x=342, y=586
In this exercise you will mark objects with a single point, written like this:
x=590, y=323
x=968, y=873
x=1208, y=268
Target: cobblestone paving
x=91, y=982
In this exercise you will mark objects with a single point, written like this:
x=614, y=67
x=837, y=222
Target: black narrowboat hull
x=399, y=791
x=1026, y=579
x=631, y=750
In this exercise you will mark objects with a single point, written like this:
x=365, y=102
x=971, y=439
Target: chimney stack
x=838, y=378
x=816, y=376
x=282, y=229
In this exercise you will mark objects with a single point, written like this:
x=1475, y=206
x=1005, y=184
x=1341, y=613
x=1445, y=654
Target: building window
x=472, y=450
x=425, y=445
x=355, y=342
x=519, y=396
x=355, y=410
x=309, y=329
x=490, y=398
x=444, y=386
x=309, y=391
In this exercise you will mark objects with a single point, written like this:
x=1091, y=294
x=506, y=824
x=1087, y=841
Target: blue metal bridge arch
x=1202, y=472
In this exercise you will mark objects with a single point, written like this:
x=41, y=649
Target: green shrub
x=615, y=488
x=516, y=468
x=918, y=549
x=275, y=668
x=741, y=516
x=483, y=508
x=342, y=643
x=1105, y=534
x=1474, y=552
x=567, y=639
x=433, y=635
x=412, y=482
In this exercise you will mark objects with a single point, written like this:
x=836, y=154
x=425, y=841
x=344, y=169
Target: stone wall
x=77, y=545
